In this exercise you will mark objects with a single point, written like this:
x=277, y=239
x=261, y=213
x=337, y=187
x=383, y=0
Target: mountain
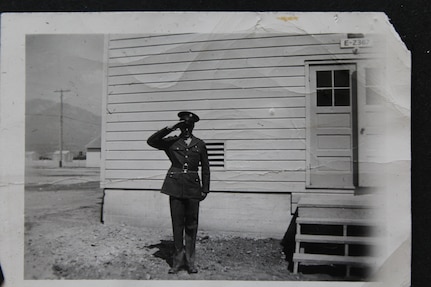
x=42, y=127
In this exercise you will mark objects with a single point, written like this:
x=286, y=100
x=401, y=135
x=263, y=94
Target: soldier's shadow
x=165, y=251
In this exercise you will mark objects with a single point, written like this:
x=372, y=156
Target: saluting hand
x=177, y=125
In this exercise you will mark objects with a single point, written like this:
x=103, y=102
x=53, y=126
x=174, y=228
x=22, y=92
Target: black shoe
x=192, y=269
x=173, y=270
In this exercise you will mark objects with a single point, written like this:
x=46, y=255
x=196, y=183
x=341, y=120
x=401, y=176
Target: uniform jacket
x=182, y=179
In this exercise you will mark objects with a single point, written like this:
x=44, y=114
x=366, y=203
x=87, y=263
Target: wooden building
x=93, y=154
x=284, y=117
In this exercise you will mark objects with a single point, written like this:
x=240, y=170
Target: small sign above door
x=356, y=43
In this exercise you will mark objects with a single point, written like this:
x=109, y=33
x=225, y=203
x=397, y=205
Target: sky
x=68, y=62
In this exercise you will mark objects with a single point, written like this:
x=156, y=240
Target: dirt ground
x=65, y=239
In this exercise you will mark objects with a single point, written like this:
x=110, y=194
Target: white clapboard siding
x=218, y=42
x=256, y=145
x=197, y=42
x=202, y=75
x=218, y=84
x=296, y=165
x=218, y=134
x=228, y=114
x=130, y=40
x=257, y=67
x=265, y=103
x=230, y=155
x=196, y=95
x=113, y=146
x=291, y=92
x=143, y=165
x=121, y=174
x=251, y=59
x=216, y=175
x=246, y=186
x=203, y=55
x=283, y=54
x=136, y=155
x=226, y=64
x=264, y=155
x=214, y=124
x=249, y=91
x=266, y=144
x=233, y=40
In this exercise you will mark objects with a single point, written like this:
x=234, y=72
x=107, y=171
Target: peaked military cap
x=188, y=116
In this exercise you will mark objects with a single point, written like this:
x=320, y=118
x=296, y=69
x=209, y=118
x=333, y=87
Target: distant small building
x=31, y=155
x=66, y=156
x=93, y=153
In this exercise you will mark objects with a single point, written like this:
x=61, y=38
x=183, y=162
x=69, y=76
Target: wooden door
x=332, y=111
x=371, y=123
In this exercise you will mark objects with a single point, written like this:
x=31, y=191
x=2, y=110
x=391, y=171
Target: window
x=216, y=154
x=333, y=88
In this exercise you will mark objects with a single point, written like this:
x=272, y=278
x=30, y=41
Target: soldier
x=183, y=185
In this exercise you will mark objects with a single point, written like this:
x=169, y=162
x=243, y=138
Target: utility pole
x=61, y=91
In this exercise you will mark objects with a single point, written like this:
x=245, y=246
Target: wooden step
x=338, y=202
x=337, y=221
x=360, y=240
x=319, y=259
x=327, y=212
x=355, y=207
x=337, y=211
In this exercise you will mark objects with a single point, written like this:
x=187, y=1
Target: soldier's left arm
x=158, y=140
x=205, y=170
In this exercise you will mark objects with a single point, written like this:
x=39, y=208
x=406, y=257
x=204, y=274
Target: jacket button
x=186, y=156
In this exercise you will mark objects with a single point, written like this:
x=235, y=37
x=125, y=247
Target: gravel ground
x=64, y=239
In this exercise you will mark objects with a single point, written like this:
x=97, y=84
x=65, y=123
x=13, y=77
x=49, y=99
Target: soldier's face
x=187, y=129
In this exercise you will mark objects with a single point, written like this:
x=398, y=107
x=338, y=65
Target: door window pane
x=324, y=98
x=342, y=97
x=333, y=88
x=342, y=78
x=324, y=79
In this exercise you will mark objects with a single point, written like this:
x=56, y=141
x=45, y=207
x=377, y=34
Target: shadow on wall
x=288, y=241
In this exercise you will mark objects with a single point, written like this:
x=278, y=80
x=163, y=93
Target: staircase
x=337, y=230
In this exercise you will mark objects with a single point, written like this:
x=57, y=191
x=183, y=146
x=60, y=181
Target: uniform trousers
x=184, y=215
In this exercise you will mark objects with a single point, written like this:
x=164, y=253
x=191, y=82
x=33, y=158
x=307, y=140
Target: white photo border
x=15, y=27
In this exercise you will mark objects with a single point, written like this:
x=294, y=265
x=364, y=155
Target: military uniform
x=182, y=179
x=185, y=189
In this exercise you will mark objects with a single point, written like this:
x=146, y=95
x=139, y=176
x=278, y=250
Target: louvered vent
x=216, y=154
